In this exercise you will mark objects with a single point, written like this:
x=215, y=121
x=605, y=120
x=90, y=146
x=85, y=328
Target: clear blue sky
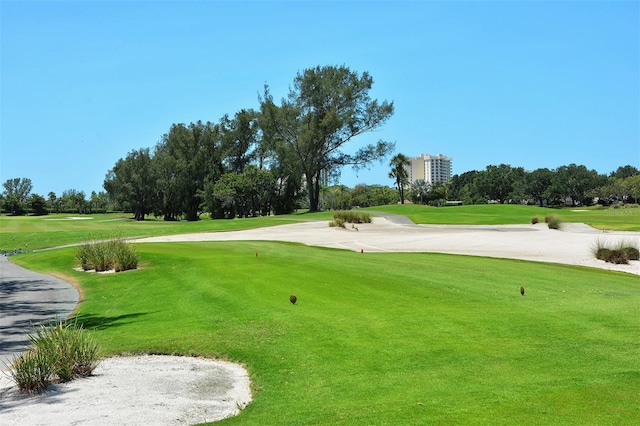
x=530, y=84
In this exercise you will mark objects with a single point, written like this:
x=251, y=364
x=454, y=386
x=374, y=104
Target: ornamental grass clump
x=350, y=216
x=553, y=222
x=622, y=253
x=114, y=254
x=337, y=223
x=59, y=352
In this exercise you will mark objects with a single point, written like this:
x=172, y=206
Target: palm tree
x=398, y=173
x=420, y=190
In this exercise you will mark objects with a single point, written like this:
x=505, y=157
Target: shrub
x=553, y=222
x=59, y=352
x=114, y=254
x=618, y=257
x=32, y=371
x=603, y=254
x=337, y=222
x=351, y=216
x=534, y=220
x=632, y=253
x=622, y=253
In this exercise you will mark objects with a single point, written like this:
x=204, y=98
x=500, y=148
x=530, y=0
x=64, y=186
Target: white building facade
x=431, y=168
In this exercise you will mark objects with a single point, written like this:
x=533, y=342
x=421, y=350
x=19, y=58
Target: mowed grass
x=401, y=338
x=620, y=219
x=37, y=232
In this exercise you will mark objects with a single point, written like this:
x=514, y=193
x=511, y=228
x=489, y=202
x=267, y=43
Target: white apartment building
x=431, y=168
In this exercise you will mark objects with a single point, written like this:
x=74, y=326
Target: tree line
x=566, y=185
x=17, y=199
x=572, y=184
x=271, y=160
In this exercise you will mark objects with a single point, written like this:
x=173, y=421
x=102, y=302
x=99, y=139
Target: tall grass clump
x=553, y=222
x=59, y=352
x=621, y=253
x=337, y=223
x=350, y=216
x=101, y=256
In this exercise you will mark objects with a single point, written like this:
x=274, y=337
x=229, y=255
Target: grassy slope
x=494, y=214
x=380, y=338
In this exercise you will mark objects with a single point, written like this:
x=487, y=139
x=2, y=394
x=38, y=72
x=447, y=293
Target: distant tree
x=439, y=192
x=538, y=184
x=361, y=196
x=460, y=187
x=575, y=181
x=633, y=183
x=131, y=183
x=38, y=204
x=398, y=173
x=98, y=202
x=326, y=108
x=240, y=194
x=498, y=182
x=420, y=191
x=624, y=172
x=187, y=156
x=16, y=193
x=240, y=140
x=383, y=195
x=52, y=202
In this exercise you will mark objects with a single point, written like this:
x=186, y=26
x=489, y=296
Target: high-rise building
x=431, y=168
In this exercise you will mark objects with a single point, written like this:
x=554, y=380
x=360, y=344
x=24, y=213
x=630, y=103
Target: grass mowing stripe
x=398, y=338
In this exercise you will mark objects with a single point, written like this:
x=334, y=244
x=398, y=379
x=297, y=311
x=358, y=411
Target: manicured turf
x=627, y=219
x=404, y=338
x=31, y=233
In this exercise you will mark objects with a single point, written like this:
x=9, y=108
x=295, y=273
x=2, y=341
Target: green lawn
x=37, y=232
x=627, y=219
x=402, y=338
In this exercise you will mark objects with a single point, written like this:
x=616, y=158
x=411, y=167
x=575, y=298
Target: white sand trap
x=135, y=390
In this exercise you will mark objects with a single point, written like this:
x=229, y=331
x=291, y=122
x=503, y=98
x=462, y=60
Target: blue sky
x=530, y=84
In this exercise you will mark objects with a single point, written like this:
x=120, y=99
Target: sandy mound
x=135, y=390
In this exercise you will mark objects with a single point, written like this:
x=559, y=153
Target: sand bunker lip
x=136, y=390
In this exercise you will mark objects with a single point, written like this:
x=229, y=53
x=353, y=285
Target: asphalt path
x=27, y=298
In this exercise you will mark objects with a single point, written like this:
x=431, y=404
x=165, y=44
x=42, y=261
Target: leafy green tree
x=326, y=108
x=361, y=196
x=53, y=203
x=633, y=184
x=498, y=182
x=98, y=202
x=187, y=157
x=538, y=184
x=383, y=195
x=38, y=204
x=575, y=181
x=16, y=193
x=240, y=140
x=624, y=172
x=399, y=174
x=460, y=186
x=131, y=183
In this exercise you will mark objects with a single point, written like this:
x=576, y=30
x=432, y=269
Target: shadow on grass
x=100, y=322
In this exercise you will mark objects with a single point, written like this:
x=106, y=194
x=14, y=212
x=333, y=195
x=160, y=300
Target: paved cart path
x=26, y=298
